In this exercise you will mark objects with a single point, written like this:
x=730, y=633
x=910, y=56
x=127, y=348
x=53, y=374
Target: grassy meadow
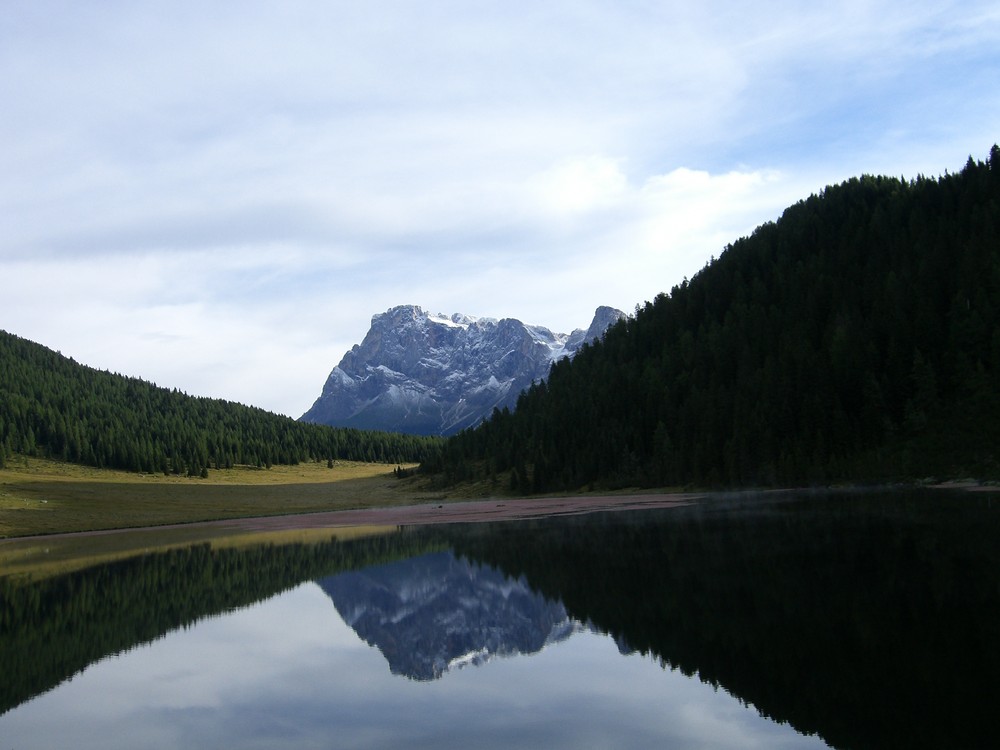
x=39, y=496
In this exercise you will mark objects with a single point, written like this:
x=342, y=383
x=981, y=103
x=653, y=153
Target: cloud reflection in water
x=289, y=673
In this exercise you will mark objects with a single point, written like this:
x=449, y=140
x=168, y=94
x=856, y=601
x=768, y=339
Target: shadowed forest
x=53, y=407
x=855, y=338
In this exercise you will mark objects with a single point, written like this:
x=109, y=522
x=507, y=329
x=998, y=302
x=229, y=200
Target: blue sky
x=218, y=198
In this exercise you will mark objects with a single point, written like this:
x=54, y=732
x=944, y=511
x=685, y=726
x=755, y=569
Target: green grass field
x=38, y=496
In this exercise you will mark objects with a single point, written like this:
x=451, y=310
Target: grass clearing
x=39, y=496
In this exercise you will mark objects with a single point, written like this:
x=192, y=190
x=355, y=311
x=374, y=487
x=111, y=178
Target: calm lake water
x=850, y=620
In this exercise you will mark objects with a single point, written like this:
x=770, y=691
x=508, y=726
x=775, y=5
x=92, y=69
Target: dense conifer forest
x=53, y=407
x=855, y=338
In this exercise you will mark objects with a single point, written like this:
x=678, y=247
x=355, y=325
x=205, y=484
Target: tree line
x=53, y=407
x=856, y=337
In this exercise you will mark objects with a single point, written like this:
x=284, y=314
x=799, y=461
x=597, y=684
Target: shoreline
x=42, y=555
x=470, y=511
x=430, y=511
x=466, y=511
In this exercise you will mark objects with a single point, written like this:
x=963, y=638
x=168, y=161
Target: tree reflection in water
x=868, y=618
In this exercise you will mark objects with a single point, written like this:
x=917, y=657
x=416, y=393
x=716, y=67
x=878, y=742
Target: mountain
x=54, y=407
x=433, y=613
x=855, y=338
x=426, y=374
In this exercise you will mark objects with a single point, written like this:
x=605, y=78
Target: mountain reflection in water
x=433, y=613
x=867, y=618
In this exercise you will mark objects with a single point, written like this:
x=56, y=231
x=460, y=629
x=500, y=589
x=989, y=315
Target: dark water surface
x=854, y=620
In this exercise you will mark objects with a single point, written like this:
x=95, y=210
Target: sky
x=217, y=197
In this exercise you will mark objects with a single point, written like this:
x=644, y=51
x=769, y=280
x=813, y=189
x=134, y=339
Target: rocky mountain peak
x=429, y=374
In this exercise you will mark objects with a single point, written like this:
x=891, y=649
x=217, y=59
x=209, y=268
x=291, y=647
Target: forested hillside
x=54, y=407
x=857, y=337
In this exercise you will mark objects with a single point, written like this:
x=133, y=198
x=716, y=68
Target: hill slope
x=54, y=407
x=857, y=337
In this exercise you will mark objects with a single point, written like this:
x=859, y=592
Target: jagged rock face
x=435, y=613
x=435, y=375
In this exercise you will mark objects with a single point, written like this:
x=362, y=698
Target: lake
x=855, y=619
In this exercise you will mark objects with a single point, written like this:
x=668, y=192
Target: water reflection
x=250, y=680
x=867, y=619
x=434, y=613
x=53, y=626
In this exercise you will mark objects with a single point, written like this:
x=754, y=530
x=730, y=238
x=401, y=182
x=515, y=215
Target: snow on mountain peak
x=437, y=374
x=457, y=320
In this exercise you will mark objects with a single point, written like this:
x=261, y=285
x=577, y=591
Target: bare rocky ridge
x=428, y=374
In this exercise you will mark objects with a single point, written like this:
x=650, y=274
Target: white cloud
x=219, y=198
x=578, y=186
